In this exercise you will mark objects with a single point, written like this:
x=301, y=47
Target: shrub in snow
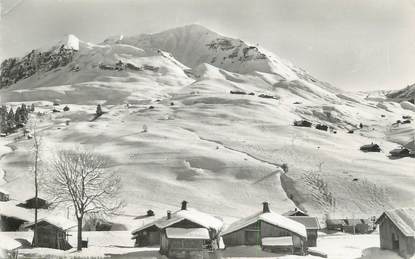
x=66, y=108
x=99, y=112
x=284, y=167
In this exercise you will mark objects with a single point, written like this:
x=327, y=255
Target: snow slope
x=220, y=151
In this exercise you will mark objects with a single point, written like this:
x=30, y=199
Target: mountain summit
x=194, y=44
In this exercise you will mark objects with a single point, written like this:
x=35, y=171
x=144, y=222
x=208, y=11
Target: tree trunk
x=79, y=244
x=35, y=232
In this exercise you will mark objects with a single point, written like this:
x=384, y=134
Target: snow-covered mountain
x=194, y=45
x=218, y=115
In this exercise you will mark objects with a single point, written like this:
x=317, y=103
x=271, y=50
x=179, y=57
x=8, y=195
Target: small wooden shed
x=397, y=231
x=147, y=235
x=262, y=227
x=52, y=232
x=312, y=226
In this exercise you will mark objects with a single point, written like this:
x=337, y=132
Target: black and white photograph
x=207, y=129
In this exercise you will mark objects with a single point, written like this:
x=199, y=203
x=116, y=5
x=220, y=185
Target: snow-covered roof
x=187, y=233
x=270, y=218
x=9, y=209
x=404, y=220
x=203, y=219
x=145, y=226
x=7, y=243
x=307, y=221
x=60, y=222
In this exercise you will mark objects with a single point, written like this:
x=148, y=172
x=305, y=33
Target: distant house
x=302, y=123
x=335, y=224
x=312, y=226
x=184, y=233
x=31, y=203
x=370, y=148
x=400, y=152
x=268, y=230
x=295, y=212
x=358, y=226
x=322, y=127
x=4, y=195
x=397, y=231
x=351, y=225
x=52, y=232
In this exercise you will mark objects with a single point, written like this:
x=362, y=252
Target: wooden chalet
x=52, y=232
x=397, y=231
x=184, y=233
x=268, y=230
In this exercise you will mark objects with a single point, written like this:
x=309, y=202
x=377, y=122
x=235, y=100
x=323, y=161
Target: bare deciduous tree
x=80, y=178
x=36, y=139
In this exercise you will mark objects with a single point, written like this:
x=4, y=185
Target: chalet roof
x=270, y=218
x=203, y=219
x=307, y=221
x=187, y=233
x=60, y=222
x=8, y=243
x=404, y=220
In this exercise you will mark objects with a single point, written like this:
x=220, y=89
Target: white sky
x=353, y=44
